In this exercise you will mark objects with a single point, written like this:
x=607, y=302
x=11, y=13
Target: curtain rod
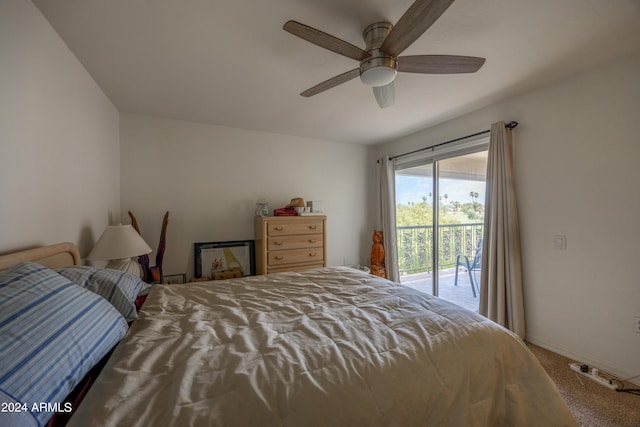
x=511, y=125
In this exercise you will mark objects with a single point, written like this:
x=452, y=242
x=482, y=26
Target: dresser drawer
x=295, y=256
x=298, y=227
x=279, y=243
x=295, y=267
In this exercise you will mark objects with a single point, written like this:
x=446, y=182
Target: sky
x=413, y=188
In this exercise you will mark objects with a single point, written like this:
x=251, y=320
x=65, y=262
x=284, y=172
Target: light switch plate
x=560, y=242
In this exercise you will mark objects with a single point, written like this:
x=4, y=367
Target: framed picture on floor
x=224, y=260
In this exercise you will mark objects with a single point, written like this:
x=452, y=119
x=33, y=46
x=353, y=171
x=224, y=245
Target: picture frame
x=173, y=279
x=224, y=260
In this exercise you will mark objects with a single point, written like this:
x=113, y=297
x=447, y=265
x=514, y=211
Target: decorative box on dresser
x=290, y=243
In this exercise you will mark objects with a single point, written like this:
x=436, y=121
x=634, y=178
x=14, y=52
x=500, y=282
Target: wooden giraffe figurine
x=152, y=273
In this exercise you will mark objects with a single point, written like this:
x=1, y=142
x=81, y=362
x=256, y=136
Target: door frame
x=433, y=157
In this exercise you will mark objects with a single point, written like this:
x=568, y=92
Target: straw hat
x=296, y=202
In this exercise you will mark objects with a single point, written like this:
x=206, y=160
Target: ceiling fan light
x=378, y=76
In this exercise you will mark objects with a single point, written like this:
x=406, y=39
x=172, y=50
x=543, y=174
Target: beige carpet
x=590, y=403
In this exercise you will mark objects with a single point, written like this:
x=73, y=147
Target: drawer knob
x=313, y=227
x=279, y=257
x=313, y=253
x=278, y=243
x=312, y=240
x=279, y=228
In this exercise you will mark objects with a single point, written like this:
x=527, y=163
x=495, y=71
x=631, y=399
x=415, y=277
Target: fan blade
x=415, y=21
x=439, y=64
x=332, y=82
x=385, y=95
x=325, y=40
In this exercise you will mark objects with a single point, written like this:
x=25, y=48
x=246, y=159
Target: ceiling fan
x=379, y=61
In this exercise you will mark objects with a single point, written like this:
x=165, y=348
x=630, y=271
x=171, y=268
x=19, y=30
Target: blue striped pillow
x=52, y=332
x=118, y=287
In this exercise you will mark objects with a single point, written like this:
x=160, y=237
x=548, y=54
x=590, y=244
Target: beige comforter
x=328, y=347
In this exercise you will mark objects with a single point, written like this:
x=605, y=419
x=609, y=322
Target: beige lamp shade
x=118, y=244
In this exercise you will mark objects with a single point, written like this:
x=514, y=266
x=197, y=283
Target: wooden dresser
x=290, y=243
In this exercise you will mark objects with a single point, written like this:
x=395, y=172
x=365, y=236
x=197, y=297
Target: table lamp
x=118, y=245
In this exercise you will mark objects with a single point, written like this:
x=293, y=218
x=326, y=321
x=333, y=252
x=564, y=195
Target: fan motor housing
x=380, y=68
x=375, y=34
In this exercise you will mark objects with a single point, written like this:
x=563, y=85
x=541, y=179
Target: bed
x=332, y=346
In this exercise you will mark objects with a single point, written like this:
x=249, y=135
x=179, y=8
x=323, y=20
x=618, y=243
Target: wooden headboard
x=53, y=256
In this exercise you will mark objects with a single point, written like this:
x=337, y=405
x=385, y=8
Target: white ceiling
x=228, y=62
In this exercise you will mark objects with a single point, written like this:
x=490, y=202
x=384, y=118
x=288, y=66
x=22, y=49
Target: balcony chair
x=471, y=265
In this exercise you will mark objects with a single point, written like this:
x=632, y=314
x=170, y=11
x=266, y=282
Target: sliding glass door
x=439, y=223
x=415, y=226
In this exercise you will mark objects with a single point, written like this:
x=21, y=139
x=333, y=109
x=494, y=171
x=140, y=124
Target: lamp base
x=128, y=265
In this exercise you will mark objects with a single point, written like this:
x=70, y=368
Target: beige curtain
x=387, y=197
x=501, y=294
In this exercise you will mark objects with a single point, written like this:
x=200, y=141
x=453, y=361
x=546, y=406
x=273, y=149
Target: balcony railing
x=415, y=245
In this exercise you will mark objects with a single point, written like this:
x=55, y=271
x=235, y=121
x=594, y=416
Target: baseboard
x=600, y=364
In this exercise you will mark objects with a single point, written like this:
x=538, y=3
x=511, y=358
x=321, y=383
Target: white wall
x=59, y=142
x=577, y=156
x=210, y=177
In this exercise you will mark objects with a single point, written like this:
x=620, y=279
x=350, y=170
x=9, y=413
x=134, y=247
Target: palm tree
x=474, y=197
